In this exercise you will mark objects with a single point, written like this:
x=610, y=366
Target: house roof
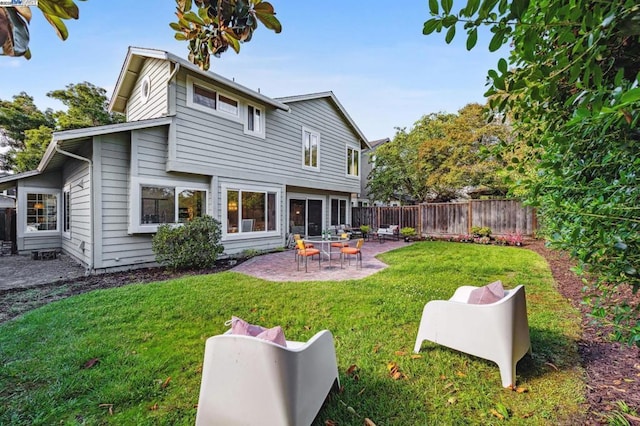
x=378, y=142
x=72, y=139
x=135, y=60
x=336, y=102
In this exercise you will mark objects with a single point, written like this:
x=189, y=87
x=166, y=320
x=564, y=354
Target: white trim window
x=310, y=148
x=66, y=212
x=208, y=98
x=353, y=162
x=156, y=203
x=339, y=212
x=254, y=121
x=250, y=211
x=42, y=211
x=145, y=89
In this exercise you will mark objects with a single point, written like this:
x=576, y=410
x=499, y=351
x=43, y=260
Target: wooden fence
x=502, y=216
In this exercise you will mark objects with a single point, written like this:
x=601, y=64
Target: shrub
x=408, y=232
x=483, y=231
x=195, y=244
x=515, y=238
x=365, y=229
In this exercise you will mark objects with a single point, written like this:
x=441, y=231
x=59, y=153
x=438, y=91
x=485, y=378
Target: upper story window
x=310, y=148
x=254, y=121
x=209, y=99
x=42, y=212
x=353, y=162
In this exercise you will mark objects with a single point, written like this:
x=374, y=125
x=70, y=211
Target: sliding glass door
x=305, y=216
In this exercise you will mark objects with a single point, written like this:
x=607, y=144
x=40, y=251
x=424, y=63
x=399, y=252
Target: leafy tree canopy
x=571, y=86
x=27, y=130
x=218, y=24
x=439, y=158
x=14, y=24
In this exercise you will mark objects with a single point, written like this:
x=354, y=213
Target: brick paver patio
x=282, y=266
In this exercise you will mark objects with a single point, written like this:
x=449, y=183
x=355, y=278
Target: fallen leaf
x=552, y=366
x=352, y=369
x=91, y=363
x=361, y=392
x=460, y=374
x=400, y=353
x=351, y=409
x=166, y=382
x=629, y=380
x=109, y=406
x=498, y=415
x=416, y=356
x=520, y=389
x=306, y=327
x=447, y=386
x=395, y=372
x=330, y=423
x=376, y=348
x=154, y=407
x=452, y=400
x=368, y=422
x=443, y=377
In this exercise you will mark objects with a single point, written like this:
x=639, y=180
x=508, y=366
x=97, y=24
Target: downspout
x=91, y=228
x=173, y=73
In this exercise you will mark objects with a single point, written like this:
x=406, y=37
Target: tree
x=14, y=24
x=219, y=24
x=571, y=86
x=27, y=130
x=439, y=158
x=87, y=106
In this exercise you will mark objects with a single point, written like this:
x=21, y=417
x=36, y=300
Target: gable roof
x=133, y=65
x=336, y=102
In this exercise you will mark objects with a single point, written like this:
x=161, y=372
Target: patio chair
x=250, y=381
x=497, y=331
x=343, y=242
x=357, y=251
x=297, y=237
x=304, y=252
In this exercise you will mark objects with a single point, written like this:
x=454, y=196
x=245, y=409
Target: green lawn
x=143, y=335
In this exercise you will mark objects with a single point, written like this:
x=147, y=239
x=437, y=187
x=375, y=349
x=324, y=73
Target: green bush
x=483, y=231
x=408, y=231
x=195, y=244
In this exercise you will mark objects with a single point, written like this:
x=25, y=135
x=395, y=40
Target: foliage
x=481, y=231
x=14, y=24
x=144, y=334
x=365, y=229
x=407, y=231
x=24, y=128
x=571, y=86
x=218, y=24
x=439, y=158
x=194, y=244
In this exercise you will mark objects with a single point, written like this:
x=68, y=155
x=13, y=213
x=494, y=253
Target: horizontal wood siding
x=38, y=242
x=118, y=248
x=77, y=175
x=211, y=141
x=157, y=104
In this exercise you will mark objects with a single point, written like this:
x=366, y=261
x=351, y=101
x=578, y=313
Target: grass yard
x=149, y=342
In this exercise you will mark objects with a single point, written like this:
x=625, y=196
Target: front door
x=305, y=217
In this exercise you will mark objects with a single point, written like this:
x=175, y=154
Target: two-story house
x=194, y=144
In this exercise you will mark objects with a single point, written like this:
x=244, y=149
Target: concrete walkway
x=282, y=266
x=22, y=271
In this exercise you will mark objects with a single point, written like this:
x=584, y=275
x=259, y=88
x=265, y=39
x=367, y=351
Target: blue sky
x=371, y=54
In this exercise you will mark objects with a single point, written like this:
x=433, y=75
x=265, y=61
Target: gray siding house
x=194, y=143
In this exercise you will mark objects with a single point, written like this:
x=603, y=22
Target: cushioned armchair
x=497, y=331
x=250, y=381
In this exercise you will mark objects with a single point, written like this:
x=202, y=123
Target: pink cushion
x=489, y=293
x=242, y=328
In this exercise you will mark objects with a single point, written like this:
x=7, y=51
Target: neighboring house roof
x=135, y=60
x=378, y=142
x=335, y=101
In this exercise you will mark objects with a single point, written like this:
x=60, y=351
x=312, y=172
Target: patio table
x=324, y=244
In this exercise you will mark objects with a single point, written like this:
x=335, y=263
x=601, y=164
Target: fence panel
x=502, y=216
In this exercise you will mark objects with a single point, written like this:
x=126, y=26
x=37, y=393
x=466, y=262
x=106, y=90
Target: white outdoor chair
x=250, y=381
x=498, y=331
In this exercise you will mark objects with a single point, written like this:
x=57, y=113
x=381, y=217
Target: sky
x=371, y=54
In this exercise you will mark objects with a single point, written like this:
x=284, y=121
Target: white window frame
x=225, y=188
x=347, y=210
x=261, y=120
x=23, y=199
x=312, y=133
x=135, y=210
x=356, y=156
x=217, y=110
x=66, y=205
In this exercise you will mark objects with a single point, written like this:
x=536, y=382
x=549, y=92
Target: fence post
x=469, y=217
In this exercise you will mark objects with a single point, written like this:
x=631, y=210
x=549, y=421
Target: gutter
x=77, y=157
